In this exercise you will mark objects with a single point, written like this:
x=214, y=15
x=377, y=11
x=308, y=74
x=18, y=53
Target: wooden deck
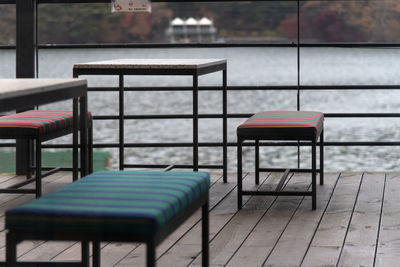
x=357, y=223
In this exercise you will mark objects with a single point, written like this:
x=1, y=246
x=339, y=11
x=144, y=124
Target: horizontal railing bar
x=250, y=88
x=234, y=144
x=165, y=1
x=362, y=115
x=246, y=115
x=237, y=115
x=219, y=144
x=158, y=116
x=229, y=44
x=7, y=145
x=334, y=115
x=216, y=45
x=168, y=116
x=179, y=166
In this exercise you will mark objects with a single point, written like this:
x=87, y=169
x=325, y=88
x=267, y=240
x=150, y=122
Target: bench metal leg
x=239, y=173
x=90, y=147
x=151, y=254
x=75, y=125
x=321, y=158
x=314, y=174
x=29, y=158
x=257, y=159
x=96, y=254
x=38, y=172
x=85, y=254
x=204, y=235
x=11, y=251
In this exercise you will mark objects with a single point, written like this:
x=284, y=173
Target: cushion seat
x=40, y=126
x=280, y=125
x=112, y=202
x=36, y=122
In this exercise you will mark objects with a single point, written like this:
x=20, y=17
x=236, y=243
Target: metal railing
x=297, y=87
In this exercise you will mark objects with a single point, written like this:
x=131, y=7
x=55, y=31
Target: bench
x=41, y=126
x=283, y=126
x=112, y=206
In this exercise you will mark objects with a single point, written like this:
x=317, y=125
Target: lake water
x=246, y=66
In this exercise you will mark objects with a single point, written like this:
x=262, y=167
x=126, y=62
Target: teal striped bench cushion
x=38, y=121
x=112, y=202
x=275, y=122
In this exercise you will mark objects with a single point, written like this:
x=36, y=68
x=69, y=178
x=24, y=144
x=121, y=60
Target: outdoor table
x=192, y=67
x=27, y=93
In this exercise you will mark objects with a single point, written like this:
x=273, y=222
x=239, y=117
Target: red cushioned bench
x=282, y=126
x=41, y=126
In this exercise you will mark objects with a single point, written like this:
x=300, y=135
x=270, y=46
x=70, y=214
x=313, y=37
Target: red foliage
x=325, y=25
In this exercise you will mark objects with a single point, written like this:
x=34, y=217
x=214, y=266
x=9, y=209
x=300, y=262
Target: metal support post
x=25, y=64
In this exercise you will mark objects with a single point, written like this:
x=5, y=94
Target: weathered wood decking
x=357, y=223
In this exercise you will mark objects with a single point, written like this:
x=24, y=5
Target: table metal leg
x=84, y=134
x=195, y=123
x=121, y=122
x=239, y=173
x=314, y=174
x=225, y=125
x=75, y=143
x=205, y=229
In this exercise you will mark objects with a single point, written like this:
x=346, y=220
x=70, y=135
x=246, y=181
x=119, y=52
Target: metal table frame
x=112, y=67
x=52, y=90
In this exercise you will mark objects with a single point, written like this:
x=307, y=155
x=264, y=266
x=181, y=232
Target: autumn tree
x=94, y=23
x=346, y=21
x=330, y=22
x=7, y=24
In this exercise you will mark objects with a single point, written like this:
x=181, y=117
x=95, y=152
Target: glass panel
x=7, y=39
x=168, y=22
x=7, y=24
x=346, y=21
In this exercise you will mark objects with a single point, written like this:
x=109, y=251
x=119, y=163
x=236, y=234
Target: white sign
x=130, y=6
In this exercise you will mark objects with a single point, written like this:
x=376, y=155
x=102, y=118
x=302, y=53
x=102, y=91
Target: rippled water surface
x=246, y=66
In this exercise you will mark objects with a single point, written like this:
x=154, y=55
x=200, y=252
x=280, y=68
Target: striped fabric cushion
x=112, y=202
x=39, y=121
x=285, y=120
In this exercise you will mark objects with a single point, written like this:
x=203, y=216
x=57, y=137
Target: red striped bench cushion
x=37, y=121
x=288, y=124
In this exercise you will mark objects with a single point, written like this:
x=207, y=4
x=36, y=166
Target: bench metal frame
x=278, y=191
x=78, y=94
x=15, y=237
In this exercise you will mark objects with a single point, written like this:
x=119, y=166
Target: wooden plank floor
x=357, y=223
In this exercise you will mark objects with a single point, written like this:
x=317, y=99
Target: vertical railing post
x=298, y=74
x=121, y=122
x=25, y=62
x=195, y=122
x=298, y=55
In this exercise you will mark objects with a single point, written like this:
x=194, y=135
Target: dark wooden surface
x=356, y=223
